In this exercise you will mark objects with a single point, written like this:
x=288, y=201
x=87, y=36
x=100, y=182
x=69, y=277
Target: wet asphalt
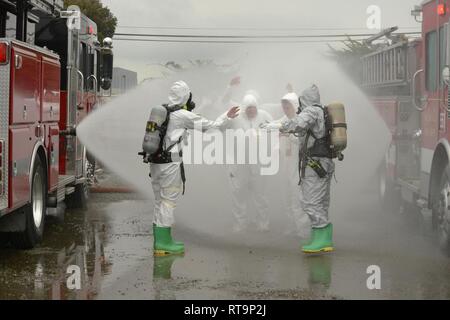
x=111, y=242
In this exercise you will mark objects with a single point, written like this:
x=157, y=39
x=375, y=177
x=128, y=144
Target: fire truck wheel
x=34, y=212
x=441, y=213
x=78, y=199
x=387, y=193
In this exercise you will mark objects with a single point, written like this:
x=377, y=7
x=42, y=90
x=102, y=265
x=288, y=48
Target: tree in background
x=349, y=57
x=101, y=15
x=350, y=54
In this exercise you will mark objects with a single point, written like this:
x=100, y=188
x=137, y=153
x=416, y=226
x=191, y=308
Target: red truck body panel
x=35, y=111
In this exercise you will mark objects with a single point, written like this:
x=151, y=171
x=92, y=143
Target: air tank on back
x=336, y=110
x=152, y=136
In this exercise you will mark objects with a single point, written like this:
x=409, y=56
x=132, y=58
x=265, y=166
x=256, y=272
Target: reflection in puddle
x=39, y=285
x=162, y=276
x=90, y=258
x=162, y=266
x=320, y=268
x=42, y=273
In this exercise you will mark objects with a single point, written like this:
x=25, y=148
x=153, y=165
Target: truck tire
x=441, y=212
x=79, y=199
x=34, y=213
x=387, y=193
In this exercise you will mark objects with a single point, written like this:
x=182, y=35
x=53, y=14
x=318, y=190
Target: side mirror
x=106, y=73
x=446, y=75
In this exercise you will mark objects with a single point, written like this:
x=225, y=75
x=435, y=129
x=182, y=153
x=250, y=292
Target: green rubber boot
x=163, y=243
x=179, y=243
x=322, y=241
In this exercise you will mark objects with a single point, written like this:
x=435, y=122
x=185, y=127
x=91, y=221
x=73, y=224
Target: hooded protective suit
x=289, y=156
x=315, y=190
x=166, y=178
x=245, y=179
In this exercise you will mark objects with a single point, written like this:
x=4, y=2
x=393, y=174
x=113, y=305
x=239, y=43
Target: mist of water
x=114, y=133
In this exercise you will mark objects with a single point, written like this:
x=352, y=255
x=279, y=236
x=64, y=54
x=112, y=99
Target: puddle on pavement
x=112, y=246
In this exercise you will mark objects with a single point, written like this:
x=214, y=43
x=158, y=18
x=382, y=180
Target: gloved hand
x=233, y=112
x=271, y=126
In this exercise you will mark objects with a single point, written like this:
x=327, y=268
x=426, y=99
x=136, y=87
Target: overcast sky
x=332, y=14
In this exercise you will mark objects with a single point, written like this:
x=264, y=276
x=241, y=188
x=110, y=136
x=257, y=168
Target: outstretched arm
x=197, y=122
x=301, y=123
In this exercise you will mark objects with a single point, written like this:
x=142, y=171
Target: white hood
x=310, y=96
x=179, y=93
x=292, y=98
x=249, y=101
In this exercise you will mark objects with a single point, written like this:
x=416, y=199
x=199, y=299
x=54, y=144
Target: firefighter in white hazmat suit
x=289, y=155
x=167, y=180
x=247, y=183
x=310, y=127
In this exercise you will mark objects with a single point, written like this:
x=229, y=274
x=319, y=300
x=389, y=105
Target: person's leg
x=315, y=202
x=238, y=182
x=170, y=189
x=315, y=192
x=301, y=221
x=288, y=193
x=155, y=178
x=258, y=187
x=298, y=220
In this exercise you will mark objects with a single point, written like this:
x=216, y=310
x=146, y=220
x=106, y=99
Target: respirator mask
x=190, y=104
x=300, y=108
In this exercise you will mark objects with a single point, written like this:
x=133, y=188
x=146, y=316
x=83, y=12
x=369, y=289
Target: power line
x=229, y=41
x=212, y=42
x=250, y=28
x=196, y=36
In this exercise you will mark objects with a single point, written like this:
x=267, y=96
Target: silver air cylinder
x=152, y=136
x=336, y=111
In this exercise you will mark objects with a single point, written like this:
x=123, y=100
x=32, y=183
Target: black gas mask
x=300, y=106
x=190, y=105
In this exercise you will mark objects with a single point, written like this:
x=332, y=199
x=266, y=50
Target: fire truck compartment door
x=22, y=145
x=26, y=86
x=51, y=73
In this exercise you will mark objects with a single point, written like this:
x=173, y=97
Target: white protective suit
x=289, y=156
x=166, y=178
x=315, y=190
x=245, y=179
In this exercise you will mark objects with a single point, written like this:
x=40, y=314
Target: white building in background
x=123, y=80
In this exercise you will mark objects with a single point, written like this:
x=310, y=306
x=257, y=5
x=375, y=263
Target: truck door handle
x=81, y=76
x=24, y=112
x=95, y=83
x=18, y=62
x=423, y=105
x=38, y=131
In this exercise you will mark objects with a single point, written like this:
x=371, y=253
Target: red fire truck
x=52, y=75
x=408, y=82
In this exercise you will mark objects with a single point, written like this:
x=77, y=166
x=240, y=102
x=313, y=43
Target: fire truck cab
x=52, y=75
x=408, y=82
